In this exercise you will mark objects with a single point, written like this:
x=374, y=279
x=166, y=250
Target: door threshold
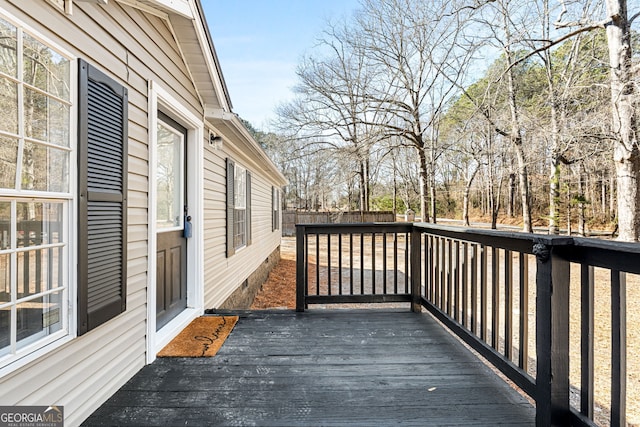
x=174, y=327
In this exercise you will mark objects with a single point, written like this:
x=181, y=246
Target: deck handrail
x=465, y=278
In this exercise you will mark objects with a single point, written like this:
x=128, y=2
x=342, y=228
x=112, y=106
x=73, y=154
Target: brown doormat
x=201, y=338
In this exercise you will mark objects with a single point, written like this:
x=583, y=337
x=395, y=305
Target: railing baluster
x=373, y=263
x=317, y=264
x=483, y=293
x=495, y=297
x=329, y=263
x=618, y=348
x=456, y=280
x=474, y=289
x=508, y=304
x=384, y=263
x=586, y=339
x=465, y=284
x=436, y=274
x=427, y=253
x=361, y=264
x=523, y=358
x=449, y=244
x=406, y=263
x=395, y=263
x=432, y=270
x=340, y=264
x=350, y=263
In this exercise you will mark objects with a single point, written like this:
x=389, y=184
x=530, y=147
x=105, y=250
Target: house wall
x=225, y=275
x=132, y=47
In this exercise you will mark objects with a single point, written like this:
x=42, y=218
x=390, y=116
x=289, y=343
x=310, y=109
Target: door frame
x=194, y=152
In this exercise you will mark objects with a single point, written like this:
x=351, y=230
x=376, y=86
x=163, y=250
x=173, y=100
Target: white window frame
x=18, y=358
x=240, y=174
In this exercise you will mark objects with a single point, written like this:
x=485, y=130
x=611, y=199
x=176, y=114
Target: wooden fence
x=291, y=218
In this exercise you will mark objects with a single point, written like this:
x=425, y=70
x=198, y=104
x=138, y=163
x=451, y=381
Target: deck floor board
x=322, y=368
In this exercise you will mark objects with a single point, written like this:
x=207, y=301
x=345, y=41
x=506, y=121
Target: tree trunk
x=554, y=197
x=516, y=140
x=361, y=177
x=465, y=198
x=582, y=230
x=511, y=205
x=424, y=180
x=626, y=153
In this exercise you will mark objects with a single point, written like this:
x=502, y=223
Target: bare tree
x=413, y=45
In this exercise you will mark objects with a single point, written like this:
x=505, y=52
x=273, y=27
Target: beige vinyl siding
x=223, y=275
x=132, y=47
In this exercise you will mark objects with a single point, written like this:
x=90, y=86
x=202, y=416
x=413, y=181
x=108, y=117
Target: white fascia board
x=208, y=55
x=180, y=7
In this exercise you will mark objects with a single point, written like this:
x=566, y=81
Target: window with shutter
x=102, y=184
x=36, y=147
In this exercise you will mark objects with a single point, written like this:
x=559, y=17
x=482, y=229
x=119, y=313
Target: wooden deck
x=322, y=368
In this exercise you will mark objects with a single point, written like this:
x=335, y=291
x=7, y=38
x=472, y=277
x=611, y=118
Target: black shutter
x=102, y=184
x=273, y=208
x=277, y=214
x=231, y=249
x=248, y=208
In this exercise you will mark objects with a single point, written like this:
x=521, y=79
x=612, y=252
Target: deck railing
x=484, y=286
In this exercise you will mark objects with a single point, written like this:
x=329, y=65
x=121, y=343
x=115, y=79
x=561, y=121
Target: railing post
x=552, y=334
x=301, y=267
x=416, y=250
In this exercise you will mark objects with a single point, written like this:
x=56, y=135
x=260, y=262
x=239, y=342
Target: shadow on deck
x=322, y=367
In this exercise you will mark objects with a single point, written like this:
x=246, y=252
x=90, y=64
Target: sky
x=260, y=43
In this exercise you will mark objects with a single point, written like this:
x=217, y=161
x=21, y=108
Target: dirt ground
x=279, y=291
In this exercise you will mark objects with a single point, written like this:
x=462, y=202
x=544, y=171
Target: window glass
x=5, y=330
x=39, y=223
x=169, y=173
x=240, y=188
x=45, y=118
x=9, y=105
x=5, y=282
x=5, y=225
x=38, y=317
x=44, y=168
x=8, y=162
x=8, y=48
x=45, y=69
x=240, y=210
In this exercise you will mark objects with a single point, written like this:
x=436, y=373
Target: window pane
x=8, y=161
x=5, y=330
x=45, y=168
x=39, y=223
x=38, y=271
x=169, y=205
x=45, y=69
x=38, y=318
x=5, y=225
x=239, y=236
x=9, y=105
x=45, y=118
x=8, y=48
x=5, y=278
x=240, y=188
